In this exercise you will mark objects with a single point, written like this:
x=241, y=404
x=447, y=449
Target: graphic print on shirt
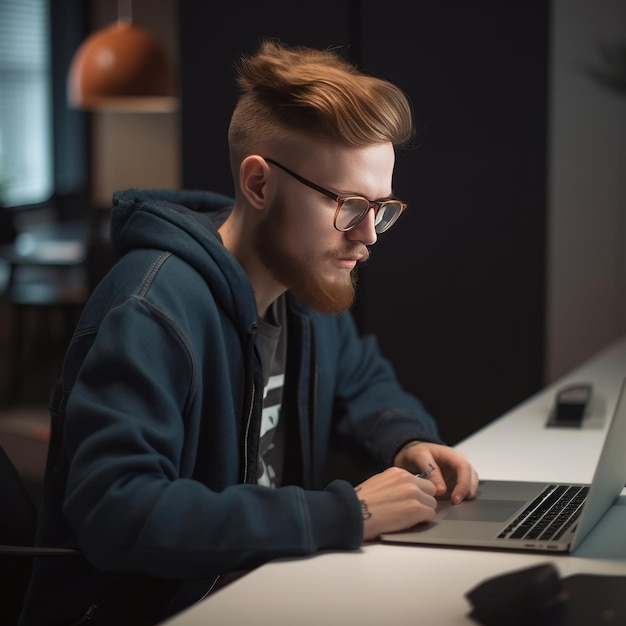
x=272, y=398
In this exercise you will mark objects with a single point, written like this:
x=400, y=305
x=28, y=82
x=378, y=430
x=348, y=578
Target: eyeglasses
x=351, y=210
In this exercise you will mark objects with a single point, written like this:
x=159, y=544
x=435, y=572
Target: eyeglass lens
x=353, y=210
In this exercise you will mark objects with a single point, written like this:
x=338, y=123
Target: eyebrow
x=391, y=196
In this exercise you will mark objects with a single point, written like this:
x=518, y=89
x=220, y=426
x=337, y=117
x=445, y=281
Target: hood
x=184, y=223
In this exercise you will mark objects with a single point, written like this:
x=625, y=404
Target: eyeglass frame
x=341, y=199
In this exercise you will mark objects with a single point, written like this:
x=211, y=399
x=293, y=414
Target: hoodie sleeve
x=370, y=407
x=130, y=498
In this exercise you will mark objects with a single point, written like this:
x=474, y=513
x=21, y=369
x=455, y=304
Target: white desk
x=384, y=584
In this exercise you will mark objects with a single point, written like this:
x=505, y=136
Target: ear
x=253, y=180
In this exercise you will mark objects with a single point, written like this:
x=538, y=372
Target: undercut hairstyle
x=287, y=91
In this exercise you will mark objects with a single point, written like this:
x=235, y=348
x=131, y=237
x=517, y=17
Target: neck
x=236, y=239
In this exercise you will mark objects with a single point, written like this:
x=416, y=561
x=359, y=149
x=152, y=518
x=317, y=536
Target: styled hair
x=299, y=90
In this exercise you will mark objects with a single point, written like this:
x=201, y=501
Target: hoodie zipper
x=208, y=591
x=246, y=437
x=249, y=380
x=313, y=405
x=87, y=616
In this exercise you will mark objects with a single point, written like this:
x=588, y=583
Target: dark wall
x=455, y=291
x=211, y=42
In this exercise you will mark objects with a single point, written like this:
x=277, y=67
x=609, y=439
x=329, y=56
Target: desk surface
x=410, y=584
x=517, y=445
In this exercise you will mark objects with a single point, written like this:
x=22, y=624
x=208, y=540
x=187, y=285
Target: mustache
x=361, y=254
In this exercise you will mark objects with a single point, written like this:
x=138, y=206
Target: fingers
x=428, y=486
x=435, y=476
x=466, y=484
x=451, y=472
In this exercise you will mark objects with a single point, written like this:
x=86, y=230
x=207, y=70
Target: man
x=212, y=364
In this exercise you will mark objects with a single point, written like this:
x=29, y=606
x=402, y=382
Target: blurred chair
x=17, y=527
x=18, y=522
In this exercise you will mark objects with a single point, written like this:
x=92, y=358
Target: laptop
x=516, y=515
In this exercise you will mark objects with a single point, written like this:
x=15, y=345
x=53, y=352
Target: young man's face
x=297, y=240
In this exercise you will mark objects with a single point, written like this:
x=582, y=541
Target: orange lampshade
x=122, y=67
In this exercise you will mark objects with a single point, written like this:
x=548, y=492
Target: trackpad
x=482, y=510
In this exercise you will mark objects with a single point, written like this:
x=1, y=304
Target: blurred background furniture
x=49, y=271
x=45, y=286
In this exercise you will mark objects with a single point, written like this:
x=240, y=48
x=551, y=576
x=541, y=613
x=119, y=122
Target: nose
x=365, y=231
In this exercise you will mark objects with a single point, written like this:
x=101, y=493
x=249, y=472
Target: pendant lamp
x=122, y=67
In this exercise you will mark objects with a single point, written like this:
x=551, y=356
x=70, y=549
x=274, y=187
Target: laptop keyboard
x=549, y=515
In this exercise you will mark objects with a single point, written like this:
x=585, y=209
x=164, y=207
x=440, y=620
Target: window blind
x=25, y=102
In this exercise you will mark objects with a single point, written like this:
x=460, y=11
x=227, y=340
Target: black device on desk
x=536, y=596
x=570, y=406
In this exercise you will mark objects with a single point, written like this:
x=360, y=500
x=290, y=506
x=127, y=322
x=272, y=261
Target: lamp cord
x=125, y=10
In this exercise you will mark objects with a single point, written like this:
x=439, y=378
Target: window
x=26, y=158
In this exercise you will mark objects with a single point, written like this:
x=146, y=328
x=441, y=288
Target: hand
x=395, y=500
x=452, y=472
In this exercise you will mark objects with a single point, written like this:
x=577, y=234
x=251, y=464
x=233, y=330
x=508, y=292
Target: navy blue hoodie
x=155, y=427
